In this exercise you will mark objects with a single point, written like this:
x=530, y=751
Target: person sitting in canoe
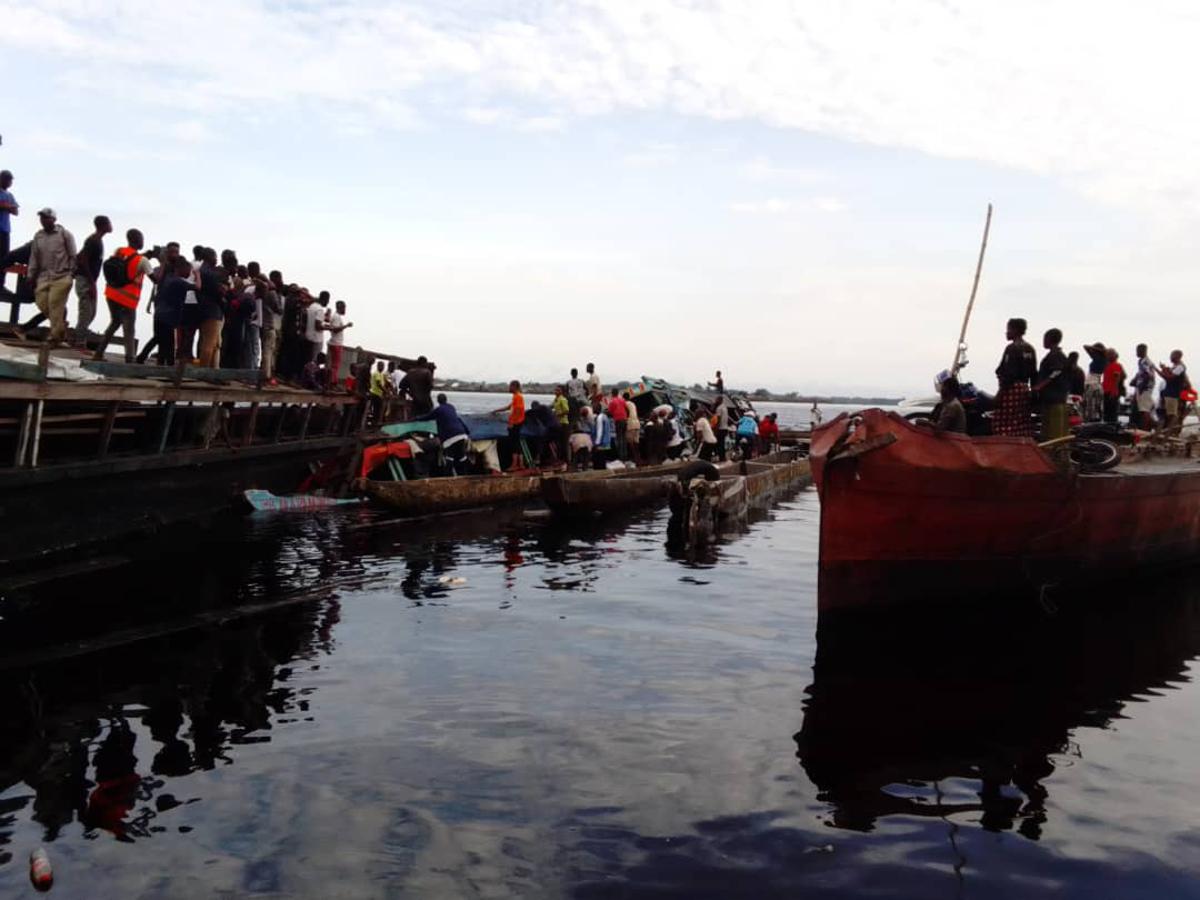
x=1017, y=369
x=453, y=434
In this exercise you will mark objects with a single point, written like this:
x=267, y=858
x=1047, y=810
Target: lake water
x=791, y=415
x=343, y=705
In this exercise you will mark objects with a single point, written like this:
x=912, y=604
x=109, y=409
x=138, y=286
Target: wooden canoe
x=702, y=505
x=434, y=495
x=566, y=495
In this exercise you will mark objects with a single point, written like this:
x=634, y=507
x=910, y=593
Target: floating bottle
x=40, y=872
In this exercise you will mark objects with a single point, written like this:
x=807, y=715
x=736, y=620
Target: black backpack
x=116, y=271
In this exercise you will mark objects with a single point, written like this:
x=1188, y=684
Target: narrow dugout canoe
x=568, y=495
x=434, y=495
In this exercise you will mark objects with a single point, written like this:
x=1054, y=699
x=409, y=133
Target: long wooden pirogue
x=434, y=495
x=571, y=495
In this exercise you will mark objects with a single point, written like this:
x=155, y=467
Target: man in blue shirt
x=452, y=432
x=8, y=208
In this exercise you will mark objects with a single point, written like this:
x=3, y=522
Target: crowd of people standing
x=211, y=310
x=1035, y=397
x=586, y=426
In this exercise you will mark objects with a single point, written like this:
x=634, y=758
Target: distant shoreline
x=533, y=387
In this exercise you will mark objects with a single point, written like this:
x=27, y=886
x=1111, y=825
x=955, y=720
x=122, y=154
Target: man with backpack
x=124, y=271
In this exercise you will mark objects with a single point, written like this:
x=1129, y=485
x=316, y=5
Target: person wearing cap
x=51, y=268
x=1093, y=389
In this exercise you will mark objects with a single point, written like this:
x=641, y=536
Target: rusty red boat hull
x=910, y=516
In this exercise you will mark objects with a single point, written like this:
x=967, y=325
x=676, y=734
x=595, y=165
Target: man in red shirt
x=618, y=412
x=1112, y=382
x=768, y=433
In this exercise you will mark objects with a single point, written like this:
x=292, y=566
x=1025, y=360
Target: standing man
x=633, y=430
x=576, y=395
x=619, y=413
x=1144, y=381
x=719, y=384
x=1052, y=387
x=314, y=325
x=8, y=207
x=336, y=326
x=51, y=265
x=722, y=429
x=173, y=286
x=592, y=385
x=189, y=322
x=211, y=315
x=1112, y=383
x=1076, y=379
x=87, y=276
x=418, y=384
x=272, y=302
x=1176, y=378
x=166, y=268
x=124, y=271
x=252, y=354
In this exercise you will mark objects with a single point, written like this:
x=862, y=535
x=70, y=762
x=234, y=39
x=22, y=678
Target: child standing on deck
x=516, y=418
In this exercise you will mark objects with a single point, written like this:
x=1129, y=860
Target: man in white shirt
x=336, y=324
x=594, y=389
x=314, y=325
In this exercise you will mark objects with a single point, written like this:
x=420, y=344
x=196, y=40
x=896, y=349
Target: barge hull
x=909, y=516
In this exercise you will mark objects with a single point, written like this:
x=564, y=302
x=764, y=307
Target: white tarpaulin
x=58, y=369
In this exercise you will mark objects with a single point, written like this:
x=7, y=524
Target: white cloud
x=1066, y=88
x=771, y=206
x=192, y=131
x=762, y=169
x=652, y=155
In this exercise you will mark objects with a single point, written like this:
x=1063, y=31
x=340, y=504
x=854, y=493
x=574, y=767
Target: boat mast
x=962, y=335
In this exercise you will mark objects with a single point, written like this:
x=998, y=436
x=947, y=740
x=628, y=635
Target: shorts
x=514, y=433
x=1145, y=401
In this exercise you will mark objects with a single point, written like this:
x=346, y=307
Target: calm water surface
x=349, y=706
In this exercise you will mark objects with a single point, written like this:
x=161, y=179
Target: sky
x=791, y=192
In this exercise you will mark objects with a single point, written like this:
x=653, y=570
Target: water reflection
x=95, y=738
x=947, y=718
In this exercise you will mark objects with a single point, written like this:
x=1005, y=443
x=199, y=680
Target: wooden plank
x=279, y=420
x=55, y=432
x=165, y=432
x=37, y=434
x=120, y=463
x=193, y=373
x=251, y=424
x=23, y=440
x=148, y=391
x=211, y=426
x=20, y=370
x=304, y=425
x=106, y=430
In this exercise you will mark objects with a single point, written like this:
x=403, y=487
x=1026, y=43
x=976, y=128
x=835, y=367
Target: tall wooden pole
x=962, y=335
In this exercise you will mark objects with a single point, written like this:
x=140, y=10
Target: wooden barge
x=911, y=518
x=92, y=461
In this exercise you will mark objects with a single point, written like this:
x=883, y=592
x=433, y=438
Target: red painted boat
x=911, y=516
